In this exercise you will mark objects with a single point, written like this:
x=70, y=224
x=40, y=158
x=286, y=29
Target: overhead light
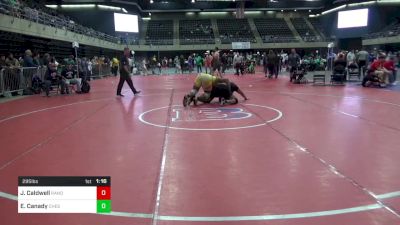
x=334, y=9
x=311, y=15
x=52, y=6
x=388, y=1
x=213, y=13
x=146, y=18
x=362, y=3
x=79, y=6
x=149, y=14
x=309, y=10
x=295, y=10
x=108, y=7
x=282, y=10
x=151, y=1
x=193, y=1
x=252, y=12
x=124, y=10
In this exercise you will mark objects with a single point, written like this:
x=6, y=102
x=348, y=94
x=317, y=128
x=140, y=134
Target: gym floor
x=292, y=154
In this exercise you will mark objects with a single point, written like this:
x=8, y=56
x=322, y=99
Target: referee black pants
x=122, y=79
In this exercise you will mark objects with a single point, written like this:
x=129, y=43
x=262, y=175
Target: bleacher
x=160, y=32
x=237, y=30
x=303, y=29
x=196, y=32
x=319, y=27
x=274, y=30
x=43, y=16
x=389, y=31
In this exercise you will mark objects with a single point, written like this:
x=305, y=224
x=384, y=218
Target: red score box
x=103, y=193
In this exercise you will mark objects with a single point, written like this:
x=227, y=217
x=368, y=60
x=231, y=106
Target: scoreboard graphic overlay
x=64, y=194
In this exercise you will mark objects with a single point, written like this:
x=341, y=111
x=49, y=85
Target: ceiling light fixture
x=334, y=9
x=79, y=6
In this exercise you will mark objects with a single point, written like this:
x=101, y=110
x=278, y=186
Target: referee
x=124, y=73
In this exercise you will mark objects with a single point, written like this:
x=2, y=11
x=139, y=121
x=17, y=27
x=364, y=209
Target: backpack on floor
x=85, y=87
x=36, y=85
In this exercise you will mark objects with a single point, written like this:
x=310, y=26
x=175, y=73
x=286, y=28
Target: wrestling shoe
x=232, y=101
x=187, y=99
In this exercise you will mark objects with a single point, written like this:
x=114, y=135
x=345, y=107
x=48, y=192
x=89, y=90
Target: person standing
x=224, y=62
x=124, y=73
x=362, y=59
x=238, y=62
x=114, y=66
x=272, y=62
x=208, y=62
x=293, y=62
x=199, y=63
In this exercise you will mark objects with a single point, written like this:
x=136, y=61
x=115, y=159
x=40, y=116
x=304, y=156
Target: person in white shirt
x=351, y=57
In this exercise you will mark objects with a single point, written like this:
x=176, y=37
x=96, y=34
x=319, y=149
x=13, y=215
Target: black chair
x=353, y=71
x=319, y=77
x=338, y=77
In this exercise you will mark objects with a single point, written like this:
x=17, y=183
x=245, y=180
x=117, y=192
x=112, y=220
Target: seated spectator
x=378, y=69
x=390, y=66
x=52, y=78
x=46, y=59
x=339, y=65
x=28, y=60
x=2, y=61
x=69, y=76
x=11, y=61
x=36, y=59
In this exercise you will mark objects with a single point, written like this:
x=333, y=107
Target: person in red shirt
x=377, y=67
x=389, y=65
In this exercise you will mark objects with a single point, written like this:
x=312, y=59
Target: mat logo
x=210, y=114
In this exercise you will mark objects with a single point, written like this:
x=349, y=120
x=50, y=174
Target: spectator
x=377, y=67
x=340, y=64
x=36, y=59
x=224, y=62
x=390, y=66
x=69, y=76
x=199, y=63
x=114, y=65
x=84, y=69
x=52, y=78
x=177, y=64
x=28, y=60
x=238, y=62
x=70, y=60
x=182, y=62
x=293, y=62
x=208, y=61
x=272, y=63
x=153, y=64
x=190, y=63
x=2, y=61
x=362, y=59
x=46, y=59
x=144, y=67
x=90, y=67
x=351, y=57
x=11, y=61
